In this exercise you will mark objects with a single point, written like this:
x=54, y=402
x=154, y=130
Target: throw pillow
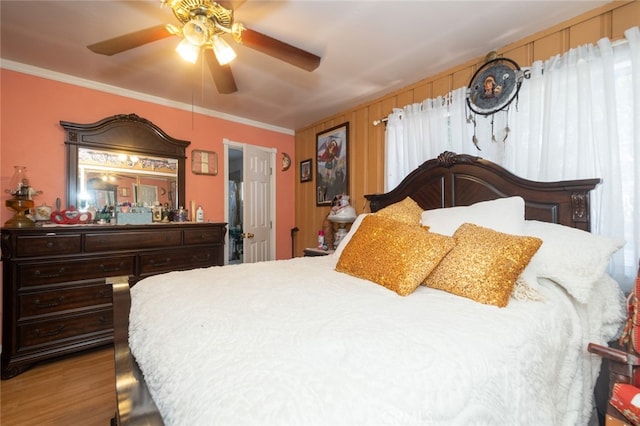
x=407, y=211
x=573, y=258
x=503, y=215
x=393, y=254
x=484, y=264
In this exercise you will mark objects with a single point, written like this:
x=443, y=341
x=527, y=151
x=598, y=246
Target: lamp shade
x=19, y=183
x=188, y=51
x=224, y=52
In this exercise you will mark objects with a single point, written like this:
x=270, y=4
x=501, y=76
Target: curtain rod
x=379, y=121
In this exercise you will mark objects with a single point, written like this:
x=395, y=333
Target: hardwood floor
x=74, y=390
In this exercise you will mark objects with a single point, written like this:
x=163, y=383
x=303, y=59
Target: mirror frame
x=122, y=132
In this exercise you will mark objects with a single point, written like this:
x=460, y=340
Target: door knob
x=248, y=235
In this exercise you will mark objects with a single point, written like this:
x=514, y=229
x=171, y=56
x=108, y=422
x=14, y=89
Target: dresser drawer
x=172, y=260
x=33, y=274
x=67, y=328
x=134, y=240
x=204, y=236
x=47, y=302
x=47, y=245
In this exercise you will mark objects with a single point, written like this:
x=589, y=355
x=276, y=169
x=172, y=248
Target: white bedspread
x=295, y=343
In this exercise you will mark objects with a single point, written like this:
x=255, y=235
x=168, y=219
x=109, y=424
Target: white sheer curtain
x=438, y=121
x=577, y=116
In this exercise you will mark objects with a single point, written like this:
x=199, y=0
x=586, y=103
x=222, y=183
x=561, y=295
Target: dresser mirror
x=123, y=158
x=106, y=178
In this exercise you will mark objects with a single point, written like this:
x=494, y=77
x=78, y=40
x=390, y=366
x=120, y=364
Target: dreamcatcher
x=492, y=88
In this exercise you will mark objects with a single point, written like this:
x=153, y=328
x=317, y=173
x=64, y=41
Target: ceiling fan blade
x=129, y=41
x=280, y=50
x=222, y=75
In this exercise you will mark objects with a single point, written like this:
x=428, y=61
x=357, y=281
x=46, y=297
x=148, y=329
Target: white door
x=257, y=205
x=257, y=199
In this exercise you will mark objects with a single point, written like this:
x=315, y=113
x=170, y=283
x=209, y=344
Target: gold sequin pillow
x=407, y=211
x=393, y=254
x=484, y=264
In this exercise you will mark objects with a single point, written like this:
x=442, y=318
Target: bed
x=357, y=338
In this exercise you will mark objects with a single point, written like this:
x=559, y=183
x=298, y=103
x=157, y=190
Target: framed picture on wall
x=332, y=174
x=305, y=170
x=204, y=162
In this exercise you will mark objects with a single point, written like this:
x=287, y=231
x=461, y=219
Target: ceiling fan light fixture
x=224, y=53
x=197, y=30
x=188, y=51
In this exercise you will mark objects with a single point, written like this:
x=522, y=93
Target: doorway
x=235, y=201
x=249, y=203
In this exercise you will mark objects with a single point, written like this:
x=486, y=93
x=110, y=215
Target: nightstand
x=312, y=252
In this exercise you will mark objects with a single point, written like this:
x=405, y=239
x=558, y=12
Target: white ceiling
x=368, y=48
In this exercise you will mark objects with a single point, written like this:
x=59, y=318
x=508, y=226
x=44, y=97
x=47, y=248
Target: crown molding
x=94, y=85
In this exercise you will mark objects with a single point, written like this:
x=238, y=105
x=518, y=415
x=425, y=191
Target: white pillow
x=503, y=215
x=573, y=258
x=354, y=227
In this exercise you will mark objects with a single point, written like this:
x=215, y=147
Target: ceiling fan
x=202, y=25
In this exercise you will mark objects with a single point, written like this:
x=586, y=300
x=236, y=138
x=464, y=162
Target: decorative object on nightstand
x=343, y=214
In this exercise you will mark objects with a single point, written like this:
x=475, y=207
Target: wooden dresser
x=55, y=300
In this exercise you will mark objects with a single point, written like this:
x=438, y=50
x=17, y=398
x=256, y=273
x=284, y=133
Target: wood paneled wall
x=366, y=141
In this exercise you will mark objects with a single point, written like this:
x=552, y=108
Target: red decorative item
x=626, y=399
x=630, y=337
x=70, y=216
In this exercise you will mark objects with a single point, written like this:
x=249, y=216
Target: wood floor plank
x=74, y=390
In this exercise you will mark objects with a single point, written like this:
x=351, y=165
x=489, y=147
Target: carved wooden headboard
x=460, y=180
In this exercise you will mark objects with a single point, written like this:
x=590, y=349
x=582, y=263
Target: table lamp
x=341, y=213
x=20, y=202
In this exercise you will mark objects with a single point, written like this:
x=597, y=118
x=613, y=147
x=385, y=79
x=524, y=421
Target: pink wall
x=31, y=136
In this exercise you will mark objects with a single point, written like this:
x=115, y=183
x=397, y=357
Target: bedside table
x=312, y=252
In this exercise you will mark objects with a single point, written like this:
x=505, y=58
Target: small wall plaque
x=204, y=162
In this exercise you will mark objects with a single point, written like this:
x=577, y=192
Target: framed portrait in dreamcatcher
x=494, y=86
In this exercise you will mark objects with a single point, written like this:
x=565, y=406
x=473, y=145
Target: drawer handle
x=113, y=269
x=50, y=333
x=39, y=274
x=102, y=320
x=166, y=262
x=204, y=258
x=49, y=244
x=57, y=302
